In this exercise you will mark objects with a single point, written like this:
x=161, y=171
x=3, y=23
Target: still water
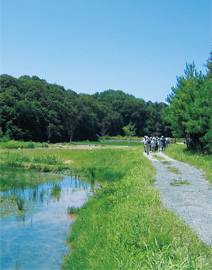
x=36, y=239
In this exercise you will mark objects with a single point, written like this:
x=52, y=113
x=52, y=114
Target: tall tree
x=190, y=108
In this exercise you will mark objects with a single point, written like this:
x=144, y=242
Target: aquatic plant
x=73, y=210
x=20, y=203
x=46, y=169
x=56, y=190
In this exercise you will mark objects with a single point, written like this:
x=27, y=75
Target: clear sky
x=94, y=45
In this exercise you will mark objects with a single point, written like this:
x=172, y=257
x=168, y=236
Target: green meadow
x=124, y=225
x=180, y=152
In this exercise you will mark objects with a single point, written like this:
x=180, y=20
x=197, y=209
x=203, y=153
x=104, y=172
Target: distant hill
x=33, y=109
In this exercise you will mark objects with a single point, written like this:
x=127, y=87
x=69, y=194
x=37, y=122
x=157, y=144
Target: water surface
x=36, y=239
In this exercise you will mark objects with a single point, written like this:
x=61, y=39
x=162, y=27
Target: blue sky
x=94, y=45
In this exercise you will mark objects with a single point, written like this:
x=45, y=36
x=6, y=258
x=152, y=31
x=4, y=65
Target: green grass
x=105, y=165
x=180, y=152
x=179, y=182
x=106, y=143
x=158, y=157
x=20, y=145
x=174, y=170
x=167, y=162
x=125, y=226
x=39, y=159
x=101, y=164
x=21, y=178
x=56, y=191
x=73, y=210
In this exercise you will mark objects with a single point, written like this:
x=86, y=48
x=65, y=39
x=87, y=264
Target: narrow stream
x=36, y=238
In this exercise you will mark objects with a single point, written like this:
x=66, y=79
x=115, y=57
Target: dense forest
x=32, y=109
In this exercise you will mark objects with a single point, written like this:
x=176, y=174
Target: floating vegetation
x=8, y=207
x=174, y=170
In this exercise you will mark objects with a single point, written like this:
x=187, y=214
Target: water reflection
x=37, y=240
x=56, y=191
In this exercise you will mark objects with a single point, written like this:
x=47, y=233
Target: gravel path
x=185, y=192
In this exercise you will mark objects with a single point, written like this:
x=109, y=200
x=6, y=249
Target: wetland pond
x=35, y=237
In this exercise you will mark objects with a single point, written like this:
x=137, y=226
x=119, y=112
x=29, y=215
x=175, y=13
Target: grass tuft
x=179, y=182
x=174, y=170
x=73, y=210
x=167, y=162
x=159, y=157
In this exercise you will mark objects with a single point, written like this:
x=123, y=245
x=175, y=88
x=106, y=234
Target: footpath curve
x=184, y=190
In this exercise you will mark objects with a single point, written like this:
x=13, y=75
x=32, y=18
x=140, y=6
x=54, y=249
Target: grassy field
x=20, y=144
x=124, y=225
x=180, y=152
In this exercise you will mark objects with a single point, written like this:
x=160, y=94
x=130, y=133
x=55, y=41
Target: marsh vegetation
x=124, y=225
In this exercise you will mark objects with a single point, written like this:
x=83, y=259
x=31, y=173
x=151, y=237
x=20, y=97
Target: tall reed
x=20, y=203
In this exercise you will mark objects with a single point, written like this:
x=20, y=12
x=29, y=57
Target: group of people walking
x=153, y=144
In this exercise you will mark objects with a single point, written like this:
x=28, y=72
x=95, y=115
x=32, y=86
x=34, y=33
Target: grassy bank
x=20, y=145
x=101, y=164
x=124, y=226
x=180, y=152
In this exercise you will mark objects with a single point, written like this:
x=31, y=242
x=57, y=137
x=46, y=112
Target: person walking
x=159, y=144
x=146, y=145
x=163, y=143
x=153, y=144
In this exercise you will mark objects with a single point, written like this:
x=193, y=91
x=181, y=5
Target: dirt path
x=184, y=190
x=89, y=147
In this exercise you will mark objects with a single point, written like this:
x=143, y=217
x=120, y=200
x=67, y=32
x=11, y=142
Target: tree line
x=33, y=109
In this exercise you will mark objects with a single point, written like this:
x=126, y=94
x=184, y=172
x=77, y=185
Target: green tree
x=130, y=130
x=190, y=108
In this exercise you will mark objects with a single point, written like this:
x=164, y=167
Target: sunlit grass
x=179, y=182
x=21, y=178
x=20, y=145
x=174, y=170
x=167, y=162
x=180, y=153
x=125, y=226
x=101, y=164
x=159, y=157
